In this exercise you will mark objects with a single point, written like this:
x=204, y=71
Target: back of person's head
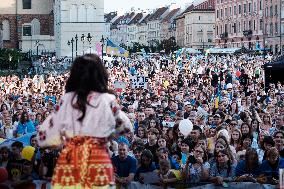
x=17, y=144
x=87, y=74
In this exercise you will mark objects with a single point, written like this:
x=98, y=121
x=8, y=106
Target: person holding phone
x=197, y=167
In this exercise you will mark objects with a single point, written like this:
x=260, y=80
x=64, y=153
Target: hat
x=217, y=115
x=187, y=103
x=28, y=153
x=124, y=140
x=229, y=86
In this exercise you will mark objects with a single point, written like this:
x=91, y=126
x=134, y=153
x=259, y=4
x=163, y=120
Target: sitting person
x=269, y=169
x=248, y=169
x=223, y=169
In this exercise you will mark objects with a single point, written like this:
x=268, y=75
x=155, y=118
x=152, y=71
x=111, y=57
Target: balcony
x=247, y=33
x=224, y=35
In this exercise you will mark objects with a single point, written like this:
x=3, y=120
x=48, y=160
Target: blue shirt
x=241, y=169
x=267, y=170
x=27, y=127
x=124, y=167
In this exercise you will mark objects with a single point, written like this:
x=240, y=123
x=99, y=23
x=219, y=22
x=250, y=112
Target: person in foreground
x=84, y=121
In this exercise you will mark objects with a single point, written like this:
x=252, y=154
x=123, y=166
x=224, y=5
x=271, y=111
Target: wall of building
x=199, y=29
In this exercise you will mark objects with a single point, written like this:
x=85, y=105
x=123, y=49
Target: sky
x=125, y=5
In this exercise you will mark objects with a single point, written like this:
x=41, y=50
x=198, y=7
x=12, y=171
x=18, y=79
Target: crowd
x=237, y=132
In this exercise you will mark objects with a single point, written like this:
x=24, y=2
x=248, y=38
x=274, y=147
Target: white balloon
x=185, y=127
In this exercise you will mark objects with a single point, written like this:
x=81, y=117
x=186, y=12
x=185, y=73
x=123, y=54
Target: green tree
x=169, y=45
x=9, y=58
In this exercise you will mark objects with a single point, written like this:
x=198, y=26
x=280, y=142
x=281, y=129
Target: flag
x=144, y=53
x=116, y=50
x=99, y=49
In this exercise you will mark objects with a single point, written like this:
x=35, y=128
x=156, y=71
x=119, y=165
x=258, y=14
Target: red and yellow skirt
x=84, y=163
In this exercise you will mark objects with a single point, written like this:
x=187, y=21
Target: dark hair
x=249, y=153
x=87, y=74
x=22, y=119
x=148, y=154
x=267, y=140
x=226, y=152
x=17, y=144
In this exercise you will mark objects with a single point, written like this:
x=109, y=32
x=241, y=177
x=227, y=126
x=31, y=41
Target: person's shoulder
x=130, y=158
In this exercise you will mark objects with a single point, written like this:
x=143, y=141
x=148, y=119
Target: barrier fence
x=39, y=184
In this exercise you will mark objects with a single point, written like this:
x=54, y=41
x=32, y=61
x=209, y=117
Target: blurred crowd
x=237, y=131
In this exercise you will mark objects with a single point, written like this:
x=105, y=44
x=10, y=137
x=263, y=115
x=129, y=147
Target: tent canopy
x=222, y=50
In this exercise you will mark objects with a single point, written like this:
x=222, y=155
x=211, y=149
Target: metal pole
x=72, y=46
x=280, y=27
x=76, y=44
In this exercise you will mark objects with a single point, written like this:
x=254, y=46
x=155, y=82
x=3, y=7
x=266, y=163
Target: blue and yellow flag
x=116, y=50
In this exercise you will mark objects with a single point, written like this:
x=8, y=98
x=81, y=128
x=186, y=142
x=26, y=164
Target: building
x=109, y=19
x=142, y=30
x=239, y=23
x=272, y=37
x=199, y=26
x=27, y=25
x=154, y=25
x=168, y=24
x=133, y=29
x=79, y=26
x=180, y=29
x=41, y=26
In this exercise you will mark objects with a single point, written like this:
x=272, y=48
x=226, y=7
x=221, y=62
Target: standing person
x=87, y=116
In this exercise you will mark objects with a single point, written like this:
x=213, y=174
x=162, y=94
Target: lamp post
x=37, y=44
x=83, y=39
x=280, y=26
x=72, y=46
x=1, y=35
x=76, y=44
x=89, y=38
x=103, y=43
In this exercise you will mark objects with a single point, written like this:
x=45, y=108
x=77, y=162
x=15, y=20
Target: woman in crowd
x=74, y=121
x=223, y=170
x=197, y=167
x=25, y=125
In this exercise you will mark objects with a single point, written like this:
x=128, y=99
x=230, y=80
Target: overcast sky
x=125, y=5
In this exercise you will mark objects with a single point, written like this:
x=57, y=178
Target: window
x=235, y=10
x=271, y=11
x=240, y=9
x=254, y=7
x=245, y=8
x=249, y=7
x=27, y=4
x=6, y=30
x=199, y=17
x=271, y=28
x=244, y=27
x=254, y=25
x=276, y=10
x=217, y=14
x=27, y=30
x=249, y=25
x=221, y=13
x=239, y=27
x=230, y=11
x=260, y=25
x=260, y=5
x=226, y=12
x=276, y=28
x=235, y=27
x=35, y=26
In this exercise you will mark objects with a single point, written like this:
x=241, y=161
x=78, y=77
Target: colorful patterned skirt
x=84, y=163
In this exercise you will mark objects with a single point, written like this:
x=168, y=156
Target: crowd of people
x=237, y=133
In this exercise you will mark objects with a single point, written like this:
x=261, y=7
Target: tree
x=9, y=58
x=169, y=45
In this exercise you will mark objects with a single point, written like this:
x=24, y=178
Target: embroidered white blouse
x=103, y=118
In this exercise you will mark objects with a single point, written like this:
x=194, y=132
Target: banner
x=139, y=82
x=119, y=86
x=115, y=50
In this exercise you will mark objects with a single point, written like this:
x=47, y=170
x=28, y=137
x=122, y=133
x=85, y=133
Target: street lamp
x=103, y=43
x=83, y=39
x=76, y=44
x=72, y=46
x=89, y=38
x=37, y=44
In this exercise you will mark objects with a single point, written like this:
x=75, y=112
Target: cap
x=229, y=86
x=217, y=115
